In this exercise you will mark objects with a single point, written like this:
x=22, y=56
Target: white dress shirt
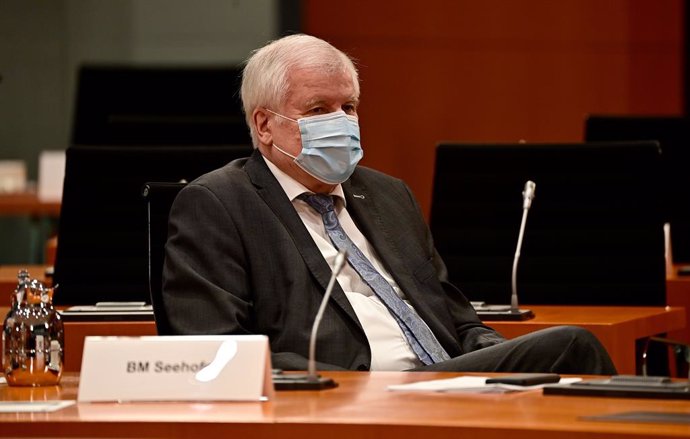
x=389, y=347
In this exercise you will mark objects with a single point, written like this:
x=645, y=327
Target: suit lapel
x=272, y=193
x=362, y=206
x=380, y=231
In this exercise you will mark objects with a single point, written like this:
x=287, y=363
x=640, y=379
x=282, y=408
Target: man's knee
x=574, y=333
x=584, y=348
x=572, y=338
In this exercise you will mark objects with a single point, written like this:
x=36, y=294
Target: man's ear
x=261, y=126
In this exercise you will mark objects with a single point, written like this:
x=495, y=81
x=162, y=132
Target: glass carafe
x=32, y=336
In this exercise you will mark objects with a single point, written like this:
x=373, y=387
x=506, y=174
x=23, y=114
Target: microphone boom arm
x=528, y=195
x=337, y=267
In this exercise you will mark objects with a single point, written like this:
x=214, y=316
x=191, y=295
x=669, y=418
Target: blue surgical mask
x=330, y=146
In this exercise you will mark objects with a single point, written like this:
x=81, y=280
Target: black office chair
x=102, y=250
x=678, y=349
x=594, y=234
x=159, y=198
x=673, y=135
x=159, y=105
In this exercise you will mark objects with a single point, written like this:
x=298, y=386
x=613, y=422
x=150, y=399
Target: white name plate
x=176, y=368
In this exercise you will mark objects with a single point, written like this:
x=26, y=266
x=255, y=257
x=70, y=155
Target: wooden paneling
x=495, y=70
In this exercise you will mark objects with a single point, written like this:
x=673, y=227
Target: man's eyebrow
x=314, y=102
x=319, y=101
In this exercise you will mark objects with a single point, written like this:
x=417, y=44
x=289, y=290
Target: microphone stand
x=312, y=381
x=512, y=312
x=528, y=195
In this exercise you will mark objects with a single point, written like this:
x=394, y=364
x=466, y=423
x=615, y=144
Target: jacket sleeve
x=207, y=287
x=471, y=333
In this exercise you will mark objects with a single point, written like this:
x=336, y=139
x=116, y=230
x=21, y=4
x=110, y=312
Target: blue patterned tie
x=419, y=336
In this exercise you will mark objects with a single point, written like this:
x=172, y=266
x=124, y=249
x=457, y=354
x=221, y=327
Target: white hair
x=265, y=75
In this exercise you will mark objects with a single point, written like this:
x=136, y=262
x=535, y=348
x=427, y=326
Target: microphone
x=512, y=311
x=527, y=197
x=312, y=381
x=528, y=194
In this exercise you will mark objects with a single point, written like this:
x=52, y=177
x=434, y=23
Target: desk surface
x=678, y=294
x=27, y=203
x=360, y=407
x=617, y=328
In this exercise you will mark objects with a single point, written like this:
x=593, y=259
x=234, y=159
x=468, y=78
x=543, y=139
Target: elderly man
x=252, y=244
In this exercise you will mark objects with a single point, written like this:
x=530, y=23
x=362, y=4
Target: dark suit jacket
x=239, y=260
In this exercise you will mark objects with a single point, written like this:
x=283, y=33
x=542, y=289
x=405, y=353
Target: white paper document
x=470, y=384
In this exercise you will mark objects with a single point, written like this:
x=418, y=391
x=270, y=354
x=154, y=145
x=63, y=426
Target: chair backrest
x=673, y=135
x=102, y=251
x=159, y=198
x=159, y=105
x=594, y=233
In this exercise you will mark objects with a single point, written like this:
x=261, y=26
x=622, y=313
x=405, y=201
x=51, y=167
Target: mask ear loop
x=284, y=152
x=273, y=144
x=280, y=115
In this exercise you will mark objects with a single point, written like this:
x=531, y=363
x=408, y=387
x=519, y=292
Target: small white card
x=176, y=368
x=51, y=173
x=12, y=176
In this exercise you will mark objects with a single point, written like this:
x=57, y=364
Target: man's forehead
x=312, y=77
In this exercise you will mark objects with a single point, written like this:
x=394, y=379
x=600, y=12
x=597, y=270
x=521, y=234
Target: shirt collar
x=293, y=188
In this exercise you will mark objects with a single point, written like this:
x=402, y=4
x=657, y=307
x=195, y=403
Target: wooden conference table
x=27, y=203
x=678, y=294
x=617, y=328
x=361, y=407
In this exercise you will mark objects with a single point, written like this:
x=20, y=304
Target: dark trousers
x=561, y=349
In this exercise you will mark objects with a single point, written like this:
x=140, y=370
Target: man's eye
x=349, y=108
x=316, y=110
